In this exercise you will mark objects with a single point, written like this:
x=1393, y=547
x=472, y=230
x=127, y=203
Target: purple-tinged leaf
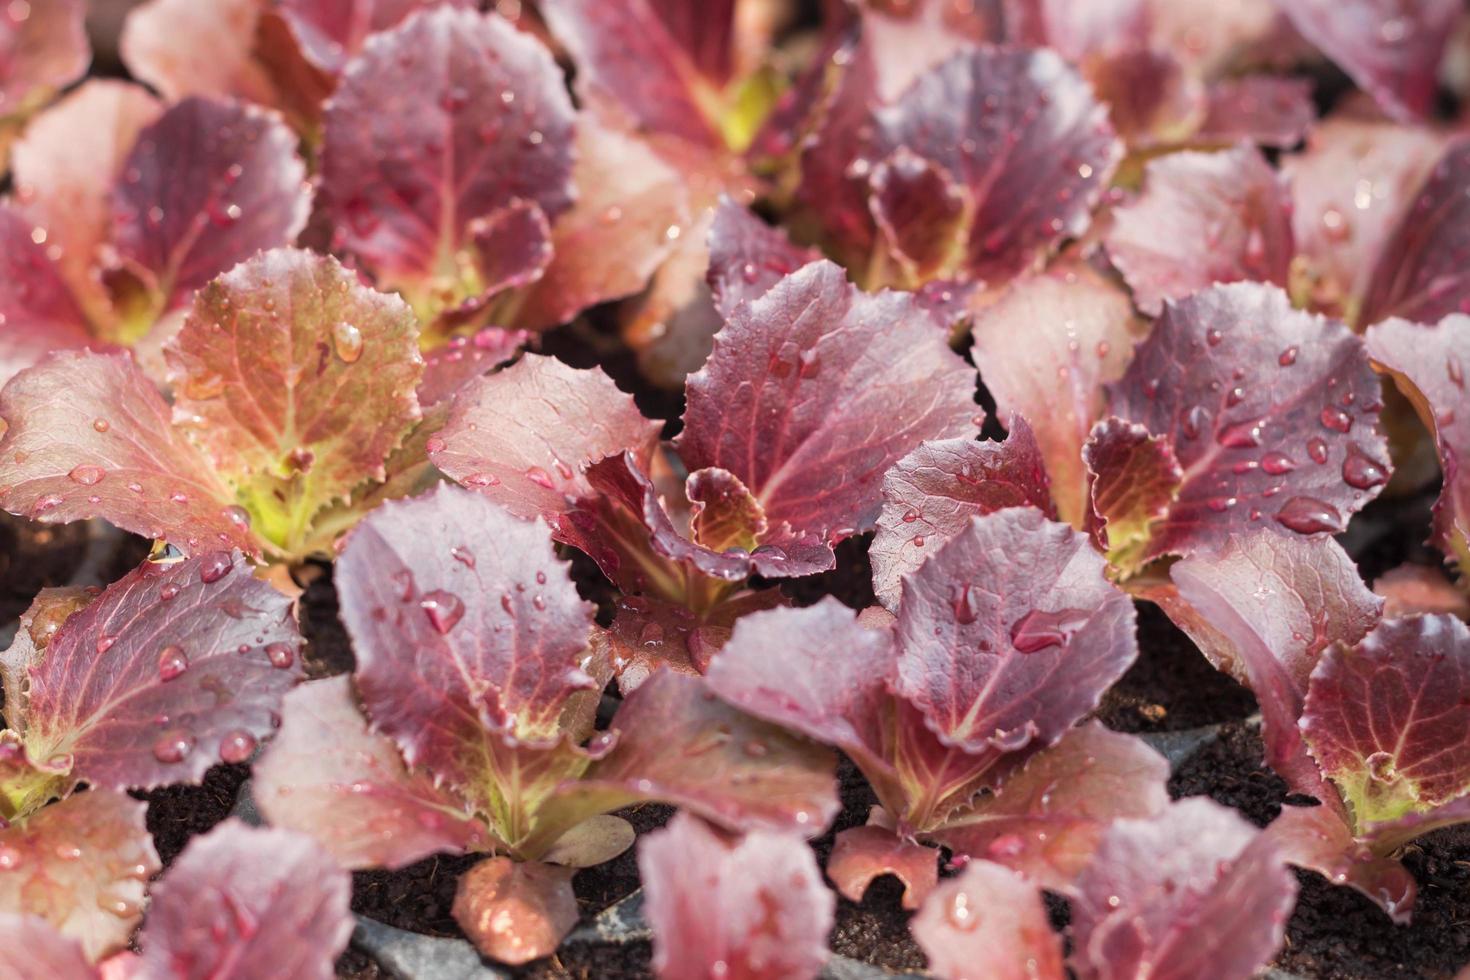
x=445, y=119
x=1428, y=365
x=991, y=622
x=1021, y=136
x=515, y=912
x=862, y=854
x=1080, y=329
x=754, y=906
x=38, y=310
x=629, y=210
x=1409, y=590
x=38, y=625
x=648, y=633
x=921, y=211
x=81, y=865
x=1390, y=48
x=1152, y=100
x=931, y=494
x=1263, y=109
x=818, y=364
x=1135, y=480
x=457, y=363
x=1203, y=218
x=1045, y=820
x=43, y=48
x=248, y=901
x=907, y=39
x=988, y=922
x=1386, y=719
x=1419, y=276
x=121, y=458
x=1350, y=188
x=297, y=381
x=524, y=436
x=327, y=775
x=1192, y=892
x=206, y=186
x=676, y=743
x=33, y=949
x=182, y=48
x=172, y=669
x=1317, y=838
x=1263, y=609
x=1270, y=412
x=462, y=620
x=510, y=248
x=332, y=31
x=747, y=256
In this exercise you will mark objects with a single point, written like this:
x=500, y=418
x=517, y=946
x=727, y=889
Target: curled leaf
x=1317, y=838
x=861, y=854
x=515, y=912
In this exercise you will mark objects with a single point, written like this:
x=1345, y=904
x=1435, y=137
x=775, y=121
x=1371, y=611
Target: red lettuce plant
x=168, y=671
x=957, y=713
x=104, y=241
x=753, y=906
x=236, y=896
x=473, y=666
x=294, y=389
x=809, y=379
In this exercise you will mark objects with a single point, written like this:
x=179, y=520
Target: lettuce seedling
x=236, y=895
x=474, y=670
x=43, y=49
x=109, y=239
x=961, y=695
x=166, y=672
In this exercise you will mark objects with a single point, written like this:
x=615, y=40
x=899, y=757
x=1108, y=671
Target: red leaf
x=1270, y=412
x=445, y=119
x=331, y=32
x=121, y=460
x=1264, y=109
x=818, y=363
x=40, y=314
x=462, y=620
x=1203, y=218
x=747, y=256
x=81, y=865
x=1014, y=129
x=1409, y=590
x=1391, y=49
x=648, y=633
x=242, y=895
x=524, y=436
x=1386, y=719
x=463, y=359
x=326, y=774
x=989, y=922
x=297, y=380
x=1427, y=363
x=1316, y=838
x=1045, y=820
x=931, y=494
x=861, y=854
x=43, y=48
x=206, y=186
x=512, y=248
x=1135, y=480
x=1192, y=892
x=33, y=949
x=991, y=620
x=921, y=211
x=515, y=912
x=750, y=907
x=1080, y=329
x=171, y=669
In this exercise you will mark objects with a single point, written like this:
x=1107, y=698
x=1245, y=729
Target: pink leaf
x=817, y=362
x=750, y=907
x=524, y=436
x=40, y=314
x=1317, y=838
x=648, y=633
x=1409, y=590
x=82, y=866
x=121, y=460
x=33, y=949
x=1389, y=48
x=1192, y=892
x=1021, y=134
x=1045, y=820
x=515, y=912
x=931, y=494
x=1264, y=109
x=1386, y=719
x=991, y=621
x=462, y=620
x=327, y=775
x=1428, y=363
x=1203, y=218
x=331, y=32
x=182, y=48
x=1273, y=417
x=295, y=378
x=861, y=854
x=989, y=922
x=1080, y=329
x=241, y=895
x=43, y=48
x=446, y=118
x=171, y=669
x=463, y=359
x=206, y=186
x=747, y=257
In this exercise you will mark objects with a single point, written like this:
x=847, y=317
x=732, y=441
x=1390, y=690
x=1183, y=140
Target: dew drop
x=1213, y=337
x=105, y=642
x=910, y=515
x=1241, y=435
x=1288, y=357
x=1336, y=419
x=173, y=746
x=444, y=609
x=1317, y=450
x=963, y=602
x=1194, y=420
x=86, y=474
x=10, y=858
x=236, y=746
x=346, y=341
x=237, y=515
x=962, y=914
x=214, y=566
x=1308, y=515
x=1381, y=767
x=1361, y=472
x=168, y=592
x=434, y=445
x=172, y=662
x=101, y=425
x=1277, y=463
x=463, y=555
x=1039, y=629
x=281, y=655
x=540, y=477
